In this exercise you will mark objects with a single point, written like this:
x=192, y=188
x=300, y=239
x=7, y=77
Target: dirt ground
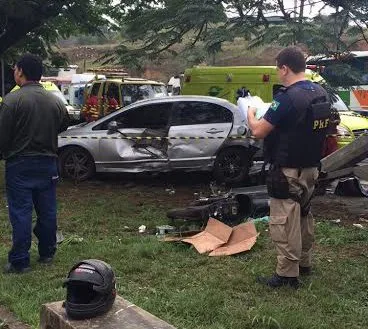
x=8, y=321
x=348, y=209
x=180, y=189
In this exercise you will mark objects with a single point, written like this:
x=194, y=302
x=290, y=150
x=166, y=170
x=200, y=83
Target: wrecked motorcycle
x=230, y=207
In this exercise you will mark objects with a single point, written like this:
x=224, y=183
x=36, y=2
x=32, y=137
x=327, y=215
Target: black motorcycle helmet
x=91, y=289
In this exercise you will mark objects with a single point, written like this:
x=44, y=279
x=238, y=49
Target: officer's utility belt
x=278, y=187
x=277, y=183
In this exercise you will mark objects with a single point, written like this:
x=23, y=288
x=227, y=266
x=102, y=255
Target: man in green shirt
x=30, y=120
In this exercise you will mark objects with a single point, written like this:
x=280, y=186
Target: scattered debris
x=265, y=219
x=336, y=221
x=3, y=324
x=170, y=191
x=363, y=220
x=163, y=230
x=359, y=226
x=179, y=236
x=142, y=228
x=73, y=239
x=350, y=187
x=215, y=190
x=59, y=237
x=130, y=185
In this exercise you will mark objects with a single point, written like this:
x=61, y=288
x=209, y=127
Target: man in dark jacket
x=30, y=120
x=294, y=129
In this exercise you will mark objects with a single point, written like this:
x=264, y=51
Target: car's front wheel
x=76, y=163
x=232, y=166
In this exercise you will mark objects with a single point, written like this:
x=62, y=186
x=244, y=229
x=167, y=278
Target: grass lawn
x=101, y=220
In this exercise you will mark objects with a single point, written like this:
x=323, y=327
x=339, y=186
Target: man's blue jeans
x=31, y=181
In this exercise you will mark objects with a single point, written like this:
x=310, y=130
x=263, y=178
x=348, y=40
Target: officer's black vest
x=297, y=142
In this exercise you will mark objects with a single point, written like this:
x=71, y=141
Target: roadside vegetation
x=100, y=219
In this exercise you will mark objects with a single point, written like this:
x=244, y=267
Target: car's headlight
x=343, y=132
x=241, y=130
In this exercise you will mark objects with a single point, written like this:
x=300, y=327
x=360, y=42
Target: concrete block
x=123, y=315
x=348, y=156
x=361, y=172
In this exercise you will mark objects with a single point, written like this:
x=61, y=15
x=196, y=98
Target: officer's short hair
x=31, y=66
x=293, y=58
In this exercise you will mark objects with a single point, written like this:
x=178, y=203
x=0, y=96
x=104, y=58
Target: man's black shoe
x=45, y=260
x=9, y=268
x=305, y=270
x=277, y=281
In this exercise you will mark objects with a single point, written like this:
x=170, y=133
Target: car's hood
x=75, y=130
x=70, y=108
x=353, y=121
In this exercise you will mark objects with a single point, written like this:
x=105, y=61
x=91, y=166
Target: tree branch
x=199, y=33
x=239, y=9
x=355, y=42
x=283, y=11
x=173, y=42
x=343, y=24
x=323, y=7
x=361, y=29
x=260, y=15
x=149, y=45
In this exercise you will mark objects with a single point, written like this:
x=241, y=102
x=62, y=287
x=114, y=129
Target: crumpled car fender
x=245, y=143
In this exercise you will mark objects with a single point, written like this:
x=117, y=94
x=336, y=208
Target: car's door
x=200, y=128
x=141, y=142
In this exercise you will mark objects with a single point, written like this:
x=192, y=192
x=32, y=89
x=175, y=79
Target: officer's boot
x=277, y=281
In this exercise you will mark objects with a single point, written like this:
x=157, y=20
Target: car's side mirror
x=112, y=127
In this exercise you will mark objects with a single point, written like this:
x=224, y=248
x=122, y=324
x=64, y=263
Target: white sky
x=311, y=7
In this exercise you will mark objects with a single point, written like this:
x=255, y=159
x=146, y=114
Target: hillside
x=235, y=53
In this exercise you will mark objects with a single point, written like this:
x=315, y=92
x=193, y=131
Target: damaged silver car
x=189, y=133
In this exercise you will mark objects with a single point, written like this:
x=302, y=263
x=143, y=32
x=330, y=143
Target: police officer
x=294, y=129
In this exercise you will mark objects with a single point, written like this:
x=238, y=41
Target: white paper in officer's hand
x=253, y=101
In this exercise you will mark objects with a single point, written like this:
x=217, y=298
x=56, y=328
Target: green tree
x=151, y=28
x=36, y=25
x=154, y=27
